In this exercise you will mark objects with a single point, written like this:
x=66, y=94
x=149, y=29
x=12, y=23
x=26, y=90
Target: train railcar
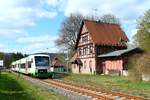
x=36, y=65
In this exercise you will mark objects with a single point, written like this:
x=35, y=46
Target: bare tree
x=68, y=32
x=71, y=25
x=108, y=18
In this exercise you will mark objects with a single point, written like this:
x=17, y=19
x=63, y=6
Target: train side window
x=29, y=64
x=23, y=65
x=18, y=66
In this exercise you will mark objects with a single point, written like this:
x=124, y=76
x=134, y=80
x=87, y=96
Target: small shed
x=57, y=65
x=115, y=62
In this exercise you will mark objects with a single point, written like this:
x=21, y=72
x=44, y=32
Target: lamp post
x=67, y=58
x=50, y=62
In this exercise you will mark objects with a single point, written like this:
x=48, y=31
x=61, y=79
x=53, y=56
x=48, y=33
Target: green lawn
x=115, y=83
x=14, y=88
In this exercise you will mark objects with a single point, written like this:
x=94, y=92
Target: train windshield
x=41, y=61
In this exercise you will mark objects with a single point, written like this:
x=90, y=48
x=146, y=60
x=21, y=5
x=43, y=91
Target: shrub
x=139, y=65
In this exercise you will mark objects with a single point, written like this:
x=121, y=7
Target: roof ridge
x=100, y=22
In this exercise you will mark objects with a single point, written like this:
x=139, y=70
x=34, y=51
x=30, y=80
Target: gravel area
x=69, y=94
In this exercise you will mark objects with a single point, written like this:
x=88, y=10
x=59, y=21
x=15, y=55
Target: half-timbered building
x=100, y=48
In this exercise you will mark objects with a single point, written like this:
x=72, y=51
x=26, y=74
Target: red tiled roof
x=104, y=33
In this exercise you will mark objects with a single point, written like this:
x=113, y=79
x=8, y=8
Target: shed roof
x=118, y=52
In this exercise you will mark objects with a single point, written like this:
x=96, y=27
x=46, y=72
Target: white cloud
x=18, y=15
x=39, y=47
x=37, y=39
x=21, y=14
x=52, y=2
x=43, y=43
x=128, y=11
x=46, y=14
x=121, y=8
x=2, y=46
x=12, y=33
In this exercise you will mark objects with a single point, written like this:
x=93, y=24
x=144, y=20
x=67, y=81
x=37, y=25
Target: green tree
x=17, y=56
x=143, y=33
x=1, y=56
x=140, y=68
x=7, y=60
x=10, y=57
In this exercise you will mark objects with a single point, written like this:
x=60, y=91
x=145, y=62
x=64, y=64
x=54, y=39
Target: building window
x=84, y=64
x=91, y=49
x=85, y=39
x=85, y=50
x=79, y=51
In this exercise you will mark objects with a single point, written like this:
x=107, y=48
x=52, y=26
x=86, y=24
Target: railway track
x=92, y=92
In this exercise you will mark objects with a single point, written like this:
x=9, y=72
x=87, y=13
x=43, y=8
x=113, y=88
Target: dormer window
x=85, y=39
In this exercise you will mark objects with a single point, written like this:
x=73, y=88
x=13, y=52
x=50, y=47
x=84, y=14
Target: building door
x=99, y=68
x=90, y=66
x=103, y=67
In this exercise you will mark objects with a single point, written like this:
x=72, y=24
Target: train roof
x=23, y=60
x=53, y=55
x=39, y=55
x=13, y=63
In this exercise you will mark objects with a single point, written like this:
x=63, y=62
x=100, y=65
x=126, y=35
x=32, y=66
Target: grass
x=115, y=83
x=14, y=88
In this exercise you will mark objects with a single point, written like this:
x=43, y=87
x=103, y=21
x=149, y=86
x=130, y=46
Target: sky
x=31, y=26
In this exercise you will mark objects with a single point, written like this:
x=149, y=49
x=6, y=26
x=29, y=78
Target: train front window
x=41, y=61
